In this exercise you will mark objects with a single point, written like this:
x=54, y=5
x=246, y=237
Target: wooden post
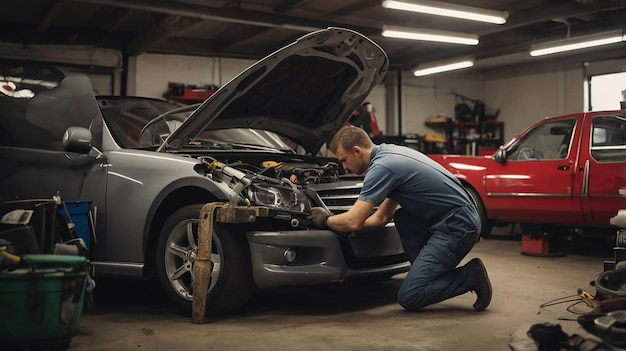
x=203, y=266
x=210, y=214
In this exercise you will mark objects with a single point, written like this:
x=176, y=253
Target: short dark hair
x=348, y=137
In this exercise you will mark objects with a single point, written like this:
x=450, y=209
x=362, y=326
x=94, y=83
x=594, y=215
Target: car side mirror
x=77, y=139
x=500, y=156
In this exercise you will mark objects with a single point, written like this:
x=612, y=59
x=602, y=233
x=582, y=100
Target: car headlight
x=279, y=197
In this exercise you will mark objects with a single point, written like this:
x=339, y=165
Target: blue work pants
x=434, y=252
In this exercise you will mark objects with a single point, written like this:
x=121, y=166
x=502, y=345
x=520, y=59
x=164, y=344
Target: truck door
x=602, y=166
x=537, y=182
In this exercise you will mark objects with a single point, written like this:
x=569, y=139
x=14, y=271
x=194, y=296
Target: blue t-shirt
x=420, y=185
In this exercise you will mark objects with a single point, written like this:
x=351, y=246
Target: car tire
x=485, y=224
x=231, y=284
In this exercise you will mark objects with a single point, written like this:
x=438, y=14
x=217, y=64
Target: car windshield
x=127, y=116
x=146, y=123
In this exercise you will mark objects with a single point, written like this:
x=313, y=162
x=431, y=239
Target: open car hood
x=304, y=91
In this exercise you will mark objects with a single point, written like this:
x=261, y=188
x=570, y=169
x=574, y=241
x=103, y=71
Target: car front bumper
x=322, y=258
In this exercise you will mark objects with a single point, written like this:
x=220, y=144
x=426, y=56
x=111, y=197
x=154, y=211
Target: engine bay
x=280, y=186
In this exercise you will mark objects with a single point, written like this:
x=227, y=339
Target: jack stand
x=534, y=244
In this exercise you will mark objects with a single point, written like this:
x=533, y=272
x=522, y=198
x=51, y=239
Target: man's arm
x=358, y=217
x=382, y=216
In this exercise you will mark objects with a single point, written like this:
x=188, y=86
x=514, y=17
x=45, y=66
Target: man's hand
x=318, y=216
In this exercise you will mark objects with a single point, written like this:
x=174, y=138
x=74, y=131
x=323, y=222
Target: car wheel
x=485, y=224
x=231, y=284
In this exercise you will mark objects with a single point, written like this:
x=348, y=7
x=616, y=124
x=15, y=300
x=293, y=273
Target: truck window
x=548, y=141
x=608, y=139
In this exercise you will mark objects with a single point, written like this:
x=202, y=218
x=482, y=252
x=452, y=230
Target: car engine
x=282, y=187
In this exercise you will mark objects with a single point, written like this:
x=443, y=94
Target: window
x=608, y=139
x=607, y=91
x=31, y=116
x=547, y=141
x=20, y=90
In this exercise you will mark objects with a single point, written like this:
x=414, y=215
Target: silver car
x=254, y=141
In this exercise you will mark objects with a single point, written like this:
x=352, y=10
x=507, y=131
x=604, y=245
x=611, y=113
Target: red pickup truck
x=566, y=171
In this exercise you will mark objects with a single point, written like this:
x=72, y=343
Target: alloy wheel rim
x=180, y=255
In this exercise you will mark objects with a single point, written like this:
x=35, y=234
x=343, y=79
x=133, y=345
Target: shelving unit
x=443, y=126
x=466, y=138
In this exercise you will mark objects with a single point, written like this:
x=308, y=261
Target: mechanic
x=435, y=217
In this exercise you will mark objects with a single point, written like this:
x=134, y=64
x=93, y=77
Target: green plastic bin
x=41, y=303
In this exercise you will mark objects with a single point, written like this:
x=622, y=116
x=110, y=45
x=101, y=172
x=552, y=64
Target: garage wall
x=150, y=74
x=526, y=94
x=103, y=66
x=102, y=83
x=153, y=72
x=431, y=96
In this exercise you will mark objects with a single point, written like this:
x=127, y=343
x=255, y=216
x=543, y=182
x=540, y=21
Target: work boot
x=483, y=285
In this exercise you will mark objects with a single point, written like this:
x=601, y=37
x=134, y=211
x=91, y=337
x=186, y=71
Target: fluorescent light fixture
x=449, y=10
x=424, y=70
x=430, y=35
x=577, y=43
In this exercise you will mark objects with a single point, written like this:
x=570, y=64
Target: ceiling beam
x=45, y=22
x=232, y=15
x=288, y=5
x=165, y=28
x=543, y=13
x=235, y=35
x=113, y=21
x=299, y=19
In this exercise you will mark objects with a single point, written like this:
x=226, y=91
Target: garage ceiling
x=251, y=29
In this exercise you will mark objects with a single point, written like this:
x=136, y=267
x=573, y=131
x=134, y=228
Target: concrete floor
x=353, y=317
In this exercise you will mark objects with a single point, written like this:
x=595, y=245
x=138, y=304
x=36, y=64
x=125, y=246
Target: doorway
x=607, y=91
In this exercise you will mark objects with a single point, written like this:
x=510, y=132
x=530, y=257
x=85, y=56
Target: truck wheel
x=231, y=284
x=485, y=224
